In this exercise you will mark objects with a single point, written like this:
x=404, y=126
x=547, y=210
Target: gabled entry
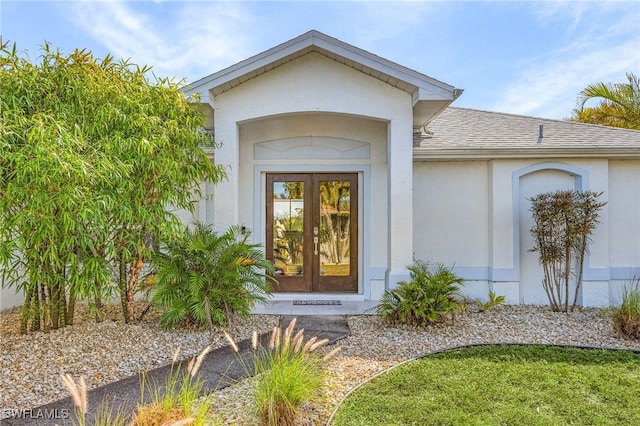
x=317, y=104
x=312, y=231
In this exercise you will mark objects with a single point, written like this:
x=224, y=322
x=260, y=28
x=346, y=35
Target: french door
x=312, y=231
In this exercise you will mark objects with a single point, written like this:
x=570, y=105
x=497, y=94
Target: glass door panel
x=287, y=241
x=335, y=219
x=335, y=214
x=288, y=227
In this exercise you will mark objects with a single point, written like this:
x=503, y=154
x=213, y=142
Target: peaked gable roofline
x=420, y=86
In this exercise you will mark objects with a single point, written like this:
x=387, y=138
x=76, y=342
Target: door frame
x=312, y=280
x=366, y=273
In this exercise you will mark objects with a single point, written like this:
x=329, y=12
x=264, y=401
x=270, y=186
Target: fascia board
x=428, y=88
x=422, y=154
x=244, y=67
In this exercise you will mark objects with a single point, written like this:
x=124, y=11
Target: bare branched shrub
x=564, y=223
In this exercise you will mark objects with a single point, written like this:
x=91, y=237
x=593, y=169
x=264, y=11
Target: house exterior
x=474, y=174
x=347, y=167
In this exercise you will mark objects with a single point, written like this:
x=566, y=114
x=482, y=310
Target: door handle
x=315, y=245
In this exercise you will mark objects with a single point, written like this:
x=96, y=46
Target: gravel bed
x=31, y=365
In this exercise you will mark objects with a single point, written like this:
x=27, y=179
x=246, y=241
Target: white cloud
x=549, y=89
x=195, y=38
x=192, y=39
x=552, y=12
x=548, y=85
x=389, y=20
x=182, y=40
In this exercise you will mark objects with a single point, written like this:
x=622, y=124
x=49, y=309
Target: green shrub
x=285, y=374
x=493, y=301
x=626, y=318
x=432, y=295
x=207, y=278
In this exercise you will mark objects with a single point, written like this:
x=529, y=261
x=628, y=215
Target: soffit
x=228, y=84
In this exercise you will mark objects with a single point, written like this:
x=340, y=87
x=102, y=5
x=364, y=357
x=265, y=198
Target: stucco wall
x=624, y=225
x=10, y=299
x=474, y=215
x=624, y=213
x=451, y=212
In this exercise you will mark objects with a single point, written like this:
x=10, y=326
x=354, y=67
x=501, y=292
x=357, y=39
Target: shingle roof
x=457, y=129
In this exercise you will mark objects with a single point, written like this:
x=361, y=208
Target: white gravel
x=31, y=365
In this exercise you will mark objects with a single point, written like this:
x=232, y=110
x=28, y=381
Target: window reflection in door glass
x=335, y=220
x=288, y=227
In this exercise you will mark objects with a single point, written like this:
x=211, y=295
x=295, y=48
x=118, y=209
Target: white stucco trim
x=316, y=147
x=428, y=95
x=400, y=204
x=581, y=182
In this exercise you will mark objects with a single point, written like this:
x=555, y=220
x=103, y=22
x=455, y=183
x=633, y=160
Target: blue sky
x=520, y=57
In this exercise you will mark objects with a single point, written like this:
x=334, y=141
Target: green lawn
x=503, y=385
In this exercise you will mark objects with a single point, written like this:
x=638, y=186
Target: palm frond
x=222, y=272
x=430, y=296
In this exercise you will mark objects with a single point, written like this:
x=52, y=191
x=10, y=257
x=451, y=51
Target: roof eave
x=421, y=87
x=244, y=67
x=464, y=154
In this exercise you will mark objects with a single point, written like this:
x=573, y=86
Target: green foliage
x=502, y=385
x=175, y=402
x=48, y=167
x=432, y=295
x=492, y=302
x=626, y=317
x=92, y=153
x=564, y=223
x=619, y=104
x=286, y=374
x=207, y=278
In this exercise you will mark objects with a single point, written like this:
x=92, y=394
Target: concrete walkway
x=317, y=307
x=219, y=369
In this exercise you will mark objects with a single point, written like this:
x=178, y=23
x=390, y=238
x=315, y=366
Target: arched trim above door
x=316, y=147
